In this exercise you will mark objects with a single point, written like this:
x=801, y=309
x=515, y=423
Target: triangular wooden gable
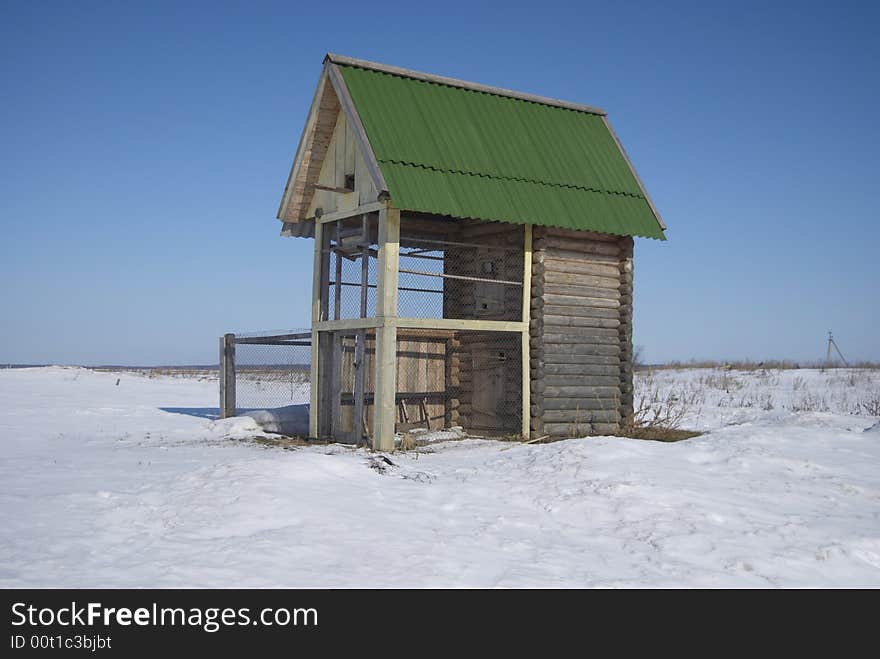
x=334, y=168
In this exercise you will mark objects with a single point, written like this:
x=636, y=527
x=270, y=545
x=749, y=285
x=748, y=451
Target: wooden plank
x=273, y=337
x=337, y=276
x=351, y=151
x=339, y=152
x=462, y=324
x=273, y=342
x=347, y=324
x=526, y=375
x=371, y=207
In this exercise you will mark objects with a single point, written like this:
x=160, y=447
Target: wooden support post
x=386, y=334
x=317, y=269
x=526, y=316
x=227, y=376
x=360, y=352
x=335, y=385
x=337, y=276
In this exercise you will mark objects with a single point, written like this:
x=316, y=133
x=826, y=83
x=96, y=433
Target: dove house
x=473, y=258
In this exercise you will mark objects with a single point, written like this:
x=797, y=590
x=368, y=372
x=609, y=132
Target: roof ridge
x=495, y=177
x=463, y=84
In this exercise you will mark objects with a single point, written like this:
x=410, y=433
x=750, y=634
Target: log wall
x=580, y=332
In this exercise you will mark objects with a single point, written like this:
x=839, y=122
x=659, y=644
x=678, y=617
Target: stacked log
x=580, y=332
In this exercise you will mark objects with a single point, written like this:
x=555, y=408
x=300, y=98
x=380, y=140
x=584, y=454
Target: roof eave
x=635, y=173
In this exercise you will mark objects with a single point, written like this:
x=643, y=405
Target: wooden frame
x=386, y=324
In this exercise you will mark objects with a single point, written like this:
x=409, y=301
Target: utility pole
x=833, y=344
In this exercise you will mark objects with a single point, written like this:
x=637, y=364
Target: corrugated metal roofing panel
x=468, y=153
x=522, y=202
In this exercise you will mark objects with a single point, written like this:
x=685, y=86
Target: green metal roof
x=456, y=151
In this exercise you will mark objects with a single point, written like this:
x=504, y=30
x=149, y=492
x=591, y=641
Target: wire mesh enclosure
x=462, y=270
x=351, y=252
x=444, y=379
x=467, y=374
x=267, y=371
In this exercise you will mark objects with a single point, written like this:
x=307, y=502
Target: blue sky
x=143, y=152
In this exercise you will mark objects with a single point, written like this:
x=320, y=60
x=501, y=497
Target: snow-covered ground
x=135, y=484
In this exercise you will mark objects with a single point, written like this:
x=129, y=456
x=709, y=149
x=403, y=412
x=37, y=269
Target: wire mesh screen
x=470, y=271
x=352, y=269
x=272, y=370
x=466, y=379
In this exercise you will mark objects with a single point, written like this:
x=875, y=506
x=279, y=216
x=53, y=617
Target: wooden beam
x=273, y=337
x=317, y=271
x=371, y=207
x=384, y=410
x=526, y=317
x=347, y=324
x=354, y=119
x=331, y=188
x=227, y=376
x=461, y=324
